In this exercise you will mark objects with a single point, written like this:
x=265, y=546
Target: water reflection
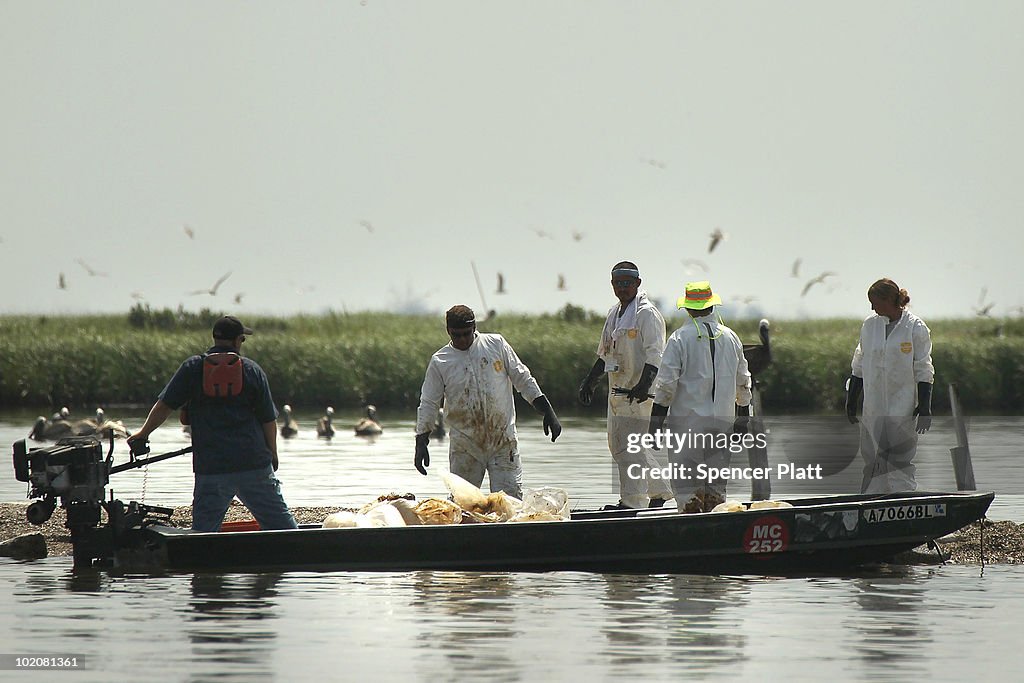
x=651, y=621
x=892, y=637
x=229, y=622
x=478, y=622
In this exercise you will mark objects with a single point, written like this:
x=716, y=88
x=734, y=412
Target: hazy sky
x=360, y=154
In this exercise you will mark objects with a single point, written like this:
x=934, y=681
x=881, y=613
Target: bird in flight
x=367, y=224
x=212, y=291
x=577, y=235
x=501, y=284
x=189, y=231
x=716, y=237
x=983, y=309
x=137, y=295
x=561, y=282
x=61, y=282
x=692, y=263
x=88, y=269
x=238, y=297
x=815, y=281
x=796, y=268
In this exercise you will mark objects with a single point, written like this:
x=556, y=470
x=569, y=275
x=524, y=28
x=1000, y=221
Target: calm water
x=889, y=624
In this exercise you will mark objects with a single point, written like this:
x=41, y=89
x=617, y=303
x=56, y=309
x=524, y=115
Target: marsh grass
x=347, y=359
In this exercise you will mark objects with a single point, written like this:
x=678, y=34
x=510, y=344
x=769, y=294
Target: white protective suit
x=891, y=369
x=702, y=398
x=476, y=385
x=628, y=342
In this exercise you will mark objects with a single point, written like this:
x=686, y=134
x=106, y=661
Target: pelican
x=323, y=425
x=368, y=426
x=759, y=356
x=48, y=430
x=289, y=427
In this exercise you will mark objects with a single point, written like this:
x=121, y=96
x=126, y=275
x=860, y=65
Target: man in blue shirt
x=234, y=431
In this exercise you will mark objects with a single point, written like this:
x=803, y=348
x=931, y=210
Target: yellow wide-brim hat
x=698, y=296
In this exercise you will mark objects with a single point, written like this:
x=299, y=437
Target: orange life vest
x=222, y=378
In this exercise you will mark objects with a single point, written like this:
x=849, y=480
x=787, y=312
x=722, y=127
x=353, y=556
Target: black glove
x=551, y=424
x=742, y=419
x=854, y=387
x=658, y=415
x=639, y=392
x=586, y=391
x=422, y=460
x=137, y=445
x=924, y=407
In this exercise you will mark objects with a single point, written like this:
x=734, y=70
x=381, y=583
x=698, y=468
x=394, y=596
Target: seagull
x=212, y=291
x=238, y=297
x=92, y=273
x=61, y=282
x=561, y=282
x=716, y=237
x=137, y=295
x=983, y=309
x=367, y=224
x=189, y=231
x=577, y=235
x=542, y=233
x=815, y=281
x=745, y=300
x=695, y=263
x=654, y=162
x=796, y=268
x=501, y=284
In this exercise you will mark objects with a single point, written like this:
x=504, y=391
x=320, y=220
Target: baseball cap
x=229, y=327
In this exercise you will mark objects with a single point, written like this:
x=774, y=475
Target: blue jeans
x=259, y=490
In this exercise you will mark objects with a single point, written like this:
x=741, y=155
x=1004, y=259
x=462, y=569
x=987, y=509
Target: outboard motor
x=73, y=470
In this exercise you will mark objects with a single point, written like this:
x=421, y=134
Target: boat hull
x=826, y=534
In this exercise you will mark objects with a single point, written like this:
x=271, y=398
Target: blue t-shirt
x=227, y=432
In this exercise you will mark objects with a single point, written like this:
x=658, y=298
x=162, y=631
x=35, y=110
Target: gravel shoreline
x=1003, y=541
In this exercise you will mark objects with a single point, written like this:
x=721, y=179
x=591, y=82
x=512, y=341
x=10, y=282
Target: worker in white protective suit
x=703, y=387
x=474, y=376
x=630, y=353
x=892, y=365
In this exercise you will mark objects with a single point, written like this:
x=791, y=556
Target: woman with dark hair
x=892, y=365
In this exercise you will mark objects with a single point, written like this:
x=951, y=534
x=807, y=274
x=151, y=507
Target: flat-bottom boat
x=816, y=535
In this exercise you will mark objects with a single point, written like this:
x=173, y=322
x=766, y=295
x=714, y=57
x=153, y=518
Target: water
x=887, y=624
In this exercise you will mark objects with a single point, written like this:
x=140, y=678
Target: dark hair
x=459, y=316
x=887, y=290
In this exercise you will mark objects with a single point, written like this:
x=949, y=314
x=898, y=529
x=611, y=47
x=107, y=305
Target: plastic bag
x=546, y=504
x=769, y=505
x=465, y=495
x=437, y=511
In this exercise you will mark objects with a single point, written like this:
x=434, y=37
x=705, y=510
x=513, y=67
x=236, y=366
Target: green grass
x=84, y=361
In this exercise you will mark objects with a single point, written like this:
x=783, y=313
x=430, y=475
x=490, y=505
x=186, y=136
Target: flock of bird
x=190, y=233
x=60, y=425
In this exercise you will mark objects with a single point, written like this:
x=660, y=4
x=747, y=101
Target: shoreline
x=1003, y=540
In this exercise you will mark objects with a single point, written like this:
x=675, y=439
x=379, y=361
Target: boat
x=824, y=534
x=816, y=535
